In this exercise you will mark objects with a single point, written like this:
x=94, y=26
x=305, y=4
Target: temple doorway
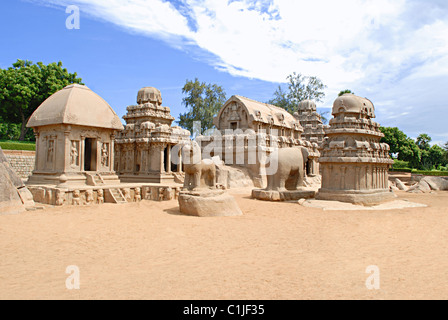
x=90, y=155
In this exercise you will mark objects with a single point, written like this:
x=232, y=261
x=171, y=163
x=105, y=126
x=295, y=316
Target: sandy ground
x=275, y=251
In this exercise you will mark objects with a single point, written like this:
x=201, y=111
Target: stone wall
x=21, y=161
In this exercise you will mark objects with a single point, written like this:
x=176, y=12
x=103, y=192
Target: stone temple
x=239, y=119
x=311, y=121
x=75, y=131
x=354, y=163
x=143, y=150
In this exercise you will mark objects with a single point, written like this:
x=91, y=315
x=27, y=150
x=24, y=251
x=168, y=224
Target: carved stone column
x=112, y=152
x=81, y=153
x=168, y=160
x=36, y=154
x=67, y=149
x=99, y=146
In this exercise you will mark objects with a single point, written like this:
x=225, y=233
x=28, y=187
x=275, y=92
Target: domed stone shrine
x=354, y=163
x=75, y=131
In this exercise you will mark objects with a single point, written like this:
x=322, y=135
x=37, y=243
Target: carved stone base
x=151, y=177
x=287, y=195
x=64, y=180
x=368, y=198
x=208, y=203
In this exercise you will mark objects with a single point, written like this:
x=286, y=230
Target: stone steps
x=98, y=180
x=116, y=196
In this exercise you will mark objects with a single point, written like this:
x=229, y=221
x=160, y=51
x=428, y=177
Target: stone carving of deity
x=74, y=154
x=50, y=152
x=105, y=155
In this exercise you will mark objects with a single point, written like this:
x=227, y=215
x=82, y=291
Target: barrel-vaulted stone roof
x=262, y=112
x=75, y=105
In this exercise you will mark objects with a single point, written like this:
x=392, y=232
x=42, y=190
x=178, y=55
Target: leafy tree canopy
x=203, y=102
x=24, y=86
x=345, y=91
x=401, y=145
x=423, y=141
x=299, y=88
x=433, y=157
x=420, y=154
x=445, y=146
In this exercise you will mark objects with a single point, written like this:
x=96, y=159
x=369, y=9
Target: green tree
x=423, y=141
x=401, y=146
x=203, y=102
x=433, y=158
x=344, y=92
x=24, y=86
x=445, y=147
x=281, y=99
x=299, y=88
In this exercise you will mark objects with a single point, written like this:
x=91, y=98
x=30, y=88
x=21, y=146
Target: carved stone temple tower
x=143, y=150
x=354, y=163
x=311, y=122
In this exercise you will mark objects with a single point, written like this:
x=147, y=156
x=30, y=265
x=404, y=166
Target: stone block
x=208, y=204
x=287, y=195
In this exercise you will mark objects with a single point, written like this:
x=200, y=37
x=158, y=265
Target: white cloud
x=339, y=41
x=373, y=46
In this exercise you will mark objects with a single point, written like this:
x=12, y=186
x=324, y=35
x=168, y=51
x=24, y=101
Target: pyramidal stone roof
x=75, y=105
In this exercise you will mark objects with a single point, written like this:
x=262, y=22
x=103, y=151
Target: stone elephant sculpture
x=198, y=173
x=290, y=172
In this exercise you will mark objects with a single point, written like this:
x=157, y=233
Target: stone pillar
x=157, y=159
x=36, y=154
x=98, y=154
x=363, y=177
x=147, y=155
x=330, y=181
x=81, y=153
x=357, y=179
x=343, y=172
x=112, y=152
x=67, y=151
x=168, y=160
x=162, y=158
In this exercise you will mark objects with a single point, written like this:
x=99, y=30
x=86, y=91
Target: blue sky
x=394, y=52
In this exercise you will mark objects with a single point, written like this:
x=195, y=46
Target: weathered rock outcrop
x=14, y=196
x=428, y=184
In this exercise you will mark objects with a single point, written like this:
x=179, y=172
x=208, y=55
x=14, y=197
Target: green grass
x=408, y=170
x=431, y=173
x=17, y=145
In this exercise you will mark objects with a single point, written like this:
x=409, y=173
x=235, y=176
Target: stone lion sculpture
x=198, y=173
x=290, y=172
